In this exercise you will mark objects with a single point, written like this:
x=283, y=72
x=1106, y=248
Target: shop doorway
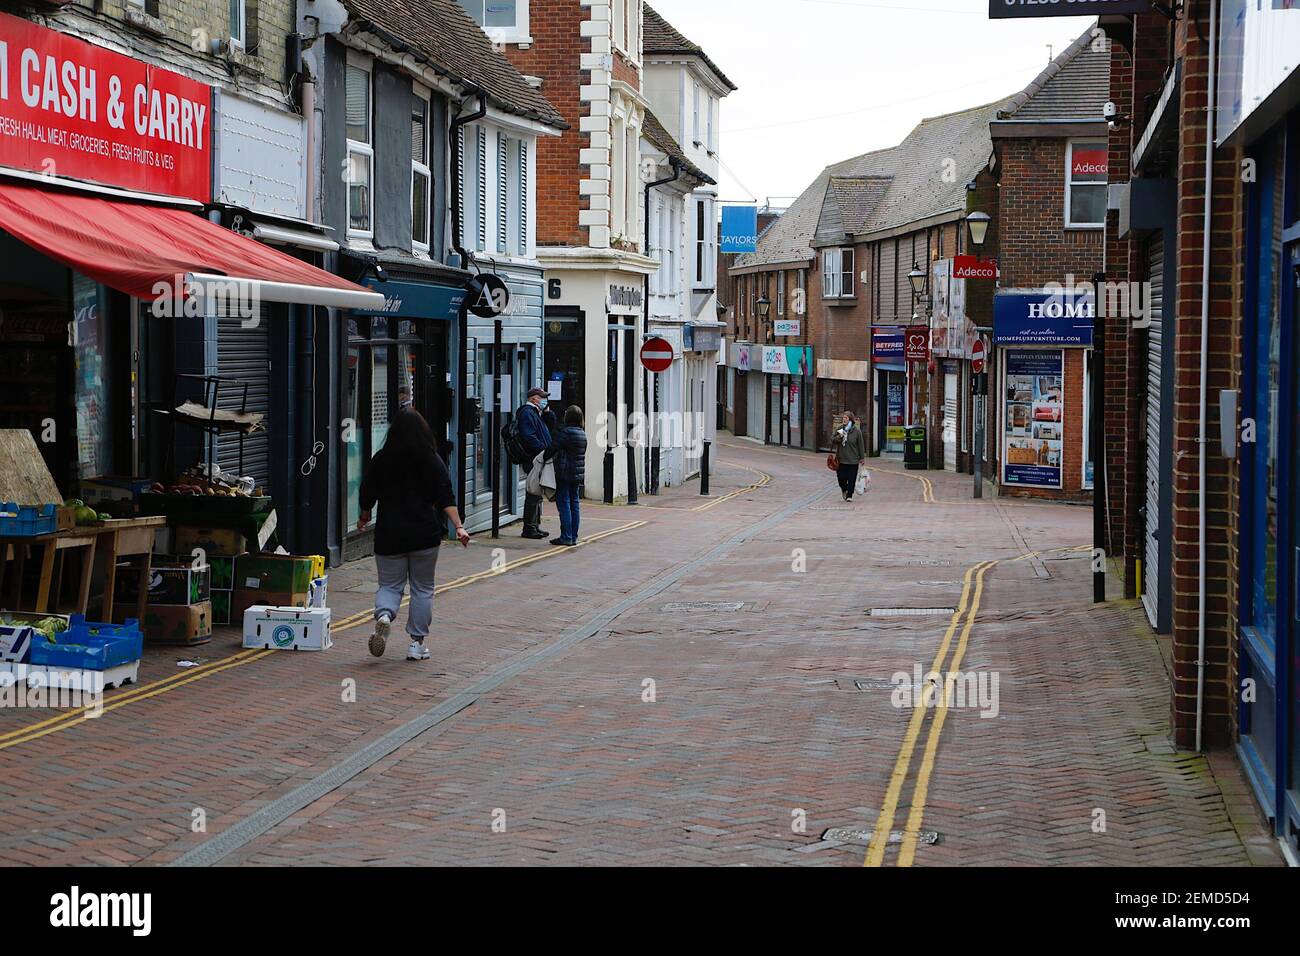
x=891, y=405
x=566, y=345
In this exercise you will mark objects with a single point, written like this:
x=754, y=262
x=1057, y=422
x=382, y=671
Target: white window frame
x=780, y=293
x=366, y=149
x=625, y=27
x=710, y=144
x=1069, y=185
x=422, y=169
x=631, y=172
x=834, y=273
x=238, y=31
x=695, y=135
x=519, y=33
x=618, y=181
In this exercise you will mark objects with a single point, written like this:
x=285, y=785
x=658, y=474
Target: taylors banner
x=1004, y=9
x=1034, y=413
x=1045, y=317
x=72, y=109
x=739, y=229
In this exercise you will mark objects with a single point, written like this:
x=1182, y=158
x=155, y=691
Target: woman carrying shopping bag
x=410, y=483
x=851, y=452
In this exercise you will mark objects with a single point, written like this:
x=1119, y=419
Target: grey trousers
x=418, y=567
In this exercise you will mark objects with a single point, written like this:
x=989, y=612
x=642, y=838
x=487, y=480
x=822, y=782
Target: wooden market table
x=114, y=539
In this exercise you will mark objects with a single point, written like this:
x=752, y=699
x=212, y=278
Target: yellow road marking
x=885, y=822
x=764, y=479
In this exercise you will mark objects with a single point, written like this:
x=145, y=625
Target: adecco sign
x=1006, y=9
x=72, y=109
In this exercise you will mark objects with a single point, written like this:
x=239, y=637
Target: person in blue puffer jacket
x=570, y=457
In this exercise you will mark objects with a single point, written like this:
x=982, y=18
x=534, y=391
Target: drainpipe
x=653, y=450
x=1205, y=371
x=457, y=243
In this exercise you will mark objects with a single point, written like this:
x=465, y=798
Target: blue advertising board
x=887, y=344
x=1043, y=318
x=1033, y=441
x=416, y=300
x=739, y=229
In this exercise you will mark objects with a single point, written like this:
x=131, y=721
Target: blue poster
x=887, y=344
x=739, y=229
x=1043, y=318
x=1033, y=445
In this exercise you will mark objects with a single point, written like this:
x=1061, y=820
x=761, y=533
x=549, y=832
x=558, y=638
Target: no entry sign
x=977, y=357
x=657, y=355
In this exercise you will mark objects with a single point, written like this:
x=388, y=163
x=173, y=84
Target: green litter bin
x=915, y=448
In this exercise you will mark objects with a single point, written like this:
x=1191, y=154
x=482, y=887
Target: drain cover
x=909, y=611
x=874, y=684
x=704, y=607
x=861, y=836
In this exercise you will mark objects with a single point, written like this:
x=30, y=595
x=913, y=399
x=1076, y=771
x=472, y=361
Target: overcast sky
x=824, y=80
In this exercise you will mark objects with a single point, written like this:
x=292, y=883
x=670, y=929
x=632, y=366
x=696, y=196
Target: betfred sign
x=971, y=267
x=75, y=110
x=1026, y=9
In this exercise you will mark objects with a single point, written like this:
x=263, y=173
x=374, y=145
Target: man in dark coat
x=537, y=438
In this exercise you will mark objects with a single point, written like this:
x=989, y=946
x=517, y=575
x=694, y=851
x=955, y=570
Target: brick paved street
x=770, y=722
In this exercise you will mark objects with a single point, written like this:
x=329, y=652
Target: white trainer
x=417, y=652
x=379, y=639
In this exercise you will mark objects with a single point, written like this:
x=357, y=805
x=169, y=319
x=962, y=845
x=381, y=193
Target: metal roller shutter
x=1155, y=435
x=950, y=380
x=244, y=355
x=756, y=405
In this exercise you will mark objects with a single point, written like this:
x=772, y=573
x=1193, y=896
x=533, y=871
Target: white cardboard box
x=287, y=628
x=316, y=592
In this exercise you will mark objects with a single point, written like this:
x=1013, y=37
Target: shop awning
x=143, y=250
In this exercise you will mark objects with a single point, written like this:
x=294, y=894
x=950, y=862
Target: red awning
x=150, y=251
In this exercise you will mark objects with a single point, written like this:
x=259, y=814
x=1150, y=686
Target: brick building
x=1203, y=490
x=585, y=56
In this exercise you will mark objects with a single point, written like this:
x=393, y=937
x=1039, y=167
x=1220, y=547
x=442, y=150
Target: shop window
x=421, y=176
x=837, y=274
x=780, y=292
x=505, y=21
x=148, y=6
x=243, y=25
x=706, y=238
x=1085, y=185
x=361, y=153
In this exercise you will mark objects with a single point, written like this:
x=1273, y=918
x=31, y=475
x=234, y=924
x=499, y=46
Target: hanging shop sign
x=742, y=356
x=887, y=344
x=1257, y=62
x=74, y=110
x=788, y=327
x=415, y=300
x=916, y=344
x=1028, y=9
x=488, y=295
x=1061, y=317
x=787, y=359
x=1034, y=415
x=973, y=267
x=739, y=229
x=702, y=338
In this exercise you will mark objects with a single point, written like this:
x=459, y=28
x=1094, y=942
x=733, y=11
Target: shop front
x=701, y=345
x=1042, y=338
x=789, y=370
x=890, y=389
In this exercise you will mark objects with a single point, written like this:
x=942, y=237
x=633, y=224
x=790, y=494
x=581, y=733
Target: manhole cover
x=704, y=607
x=923, y=563
x=874, y=684
x=861, y=836
x=909, y=611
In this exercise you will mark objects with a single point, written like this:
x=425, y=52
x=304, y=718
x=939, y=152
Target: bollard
x=631, y=475
x=704, y=471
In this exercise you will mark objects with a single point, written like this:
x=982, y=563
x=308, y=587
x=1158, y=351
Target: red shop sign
x=1090, y=162
x=916, y=343
x=75, y=110
x=972, y=267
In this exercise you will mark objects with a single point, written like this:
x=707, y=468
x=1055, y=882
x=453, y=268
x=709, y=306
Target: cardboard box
x=178, y=623
x=223, y=572
x=287, y=628
x=16, y=642
x=317, y=593
x=241, y=599
x=273, y=572
x=170, y=582
x=221, y=606
x=212, y=541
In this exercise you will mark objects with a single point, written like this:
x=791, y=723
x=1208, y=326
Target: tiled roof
x=654, y=131
x=660, y=36
x=442, y=34
x=849, y=203
x=1073, y=88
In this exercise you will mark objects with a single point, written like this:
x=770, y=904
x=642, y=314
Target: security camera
x=1110, y=110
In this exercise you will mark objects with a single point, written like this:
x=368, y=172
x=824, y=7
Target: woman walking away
x=852, y=451
x=570, y=472
x=411, y=484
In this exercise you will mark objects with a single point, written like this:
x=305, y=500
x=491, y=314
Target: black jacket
x=411, y=497
x=571, y=455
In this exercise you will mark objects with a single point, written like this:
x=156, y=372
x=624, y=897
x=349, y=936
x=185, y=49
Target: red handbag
x=833, y=462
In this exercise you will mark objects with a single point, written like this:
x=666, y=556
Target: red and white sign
x=916, y=343
x=972, y=267
x=657, y=355
x=75, y=110
x=1089, y=162
x=977, y=357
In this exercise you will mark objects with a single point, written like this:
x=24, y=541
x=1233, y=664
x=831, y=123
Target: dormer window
x=504, y=21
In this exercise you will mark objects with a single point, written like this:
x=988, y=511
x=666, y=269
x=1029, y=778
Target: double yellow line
x=963, y=619
x=72, y=718
x=764, y=479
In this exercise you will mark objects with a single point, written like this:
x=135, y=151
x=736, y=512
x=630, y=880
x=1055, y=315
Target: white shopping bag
x=864, y=481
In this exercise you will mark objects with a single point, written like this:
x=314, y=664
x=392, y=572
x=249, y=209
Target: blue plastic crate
x=91, y=646
x=26, y=521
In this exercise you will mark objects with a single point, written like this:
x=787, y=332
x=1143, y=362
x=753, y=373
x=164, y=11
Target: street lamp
x=978, y=224
x=918, y=278
x=764, y=307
